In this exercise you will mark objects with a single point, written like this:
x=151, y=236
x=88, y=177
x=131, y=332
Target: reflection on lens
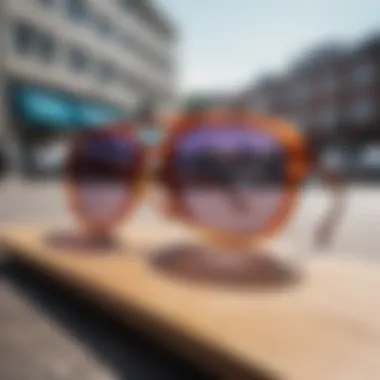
x=104, y=158
x=232, y=178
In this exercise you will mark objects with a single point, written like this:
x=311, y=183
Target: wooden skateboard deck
x=325, y=327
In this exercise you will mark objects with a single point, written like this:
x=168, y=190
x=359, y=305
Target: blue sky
x=226, y=43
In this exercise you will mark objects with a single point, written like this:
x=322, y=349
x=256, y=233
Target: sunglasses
x=233, y=178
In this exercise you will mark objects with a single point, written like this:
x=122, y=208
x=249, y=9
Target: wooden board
x=327, y=327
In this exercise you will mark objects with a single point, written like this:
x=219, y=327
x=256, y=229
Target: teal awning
x=51, y=109
x=43, y=107
x=90, y=114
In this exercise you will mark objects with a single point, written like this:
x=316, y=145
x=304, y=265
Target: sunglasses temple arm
x=333, y=181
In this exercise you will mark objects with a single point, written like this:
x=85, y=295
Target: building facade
x=333, y=92
x=70, y=64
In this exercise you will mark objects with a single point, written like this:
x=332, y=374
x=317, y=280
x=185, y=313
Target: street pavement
x=46, y=334
x=45, y=337
x=356, y=235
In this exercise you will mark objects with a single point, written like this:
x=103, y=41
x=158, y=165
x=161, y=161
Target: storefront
x=44, y=120
x=360, y=162
x=369, y=163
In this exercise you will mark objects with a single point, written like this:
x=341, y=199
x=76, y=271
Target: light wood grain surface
x=326, y=327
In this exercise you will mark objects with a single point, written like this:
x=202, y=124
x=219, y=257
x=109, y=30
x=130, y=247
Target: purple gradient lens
x=232, y=177
x=103, y=168
x=105, y=158
x=109, y=149
x=226, y=138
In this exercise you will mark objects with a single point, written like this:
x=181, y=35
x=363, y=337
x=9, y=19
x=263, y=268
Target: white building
x=70, y=63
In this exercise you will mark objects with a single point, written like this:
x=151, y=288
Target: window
x=24, y=38
x=46, y=47
x=77, y=9
x=30, y=41
x=364, y=73
x=106, y=71
x=330, y=83
x=78, y=59
x=129, y=43
x=300, y=92
x=103, y=25
x=132, y=82
x=370, y=157
x=119, y=37
x=128, y=82
x=118, y=75
x=328, y=117
x=333, y=159
x=362, y=110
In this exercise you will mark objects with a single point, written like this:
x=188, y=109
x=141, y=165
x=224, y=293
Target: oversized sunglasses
x=233, y=178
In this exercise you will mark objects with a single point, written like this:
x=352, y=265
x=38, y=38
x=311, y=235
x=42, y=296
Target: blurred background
x=67, y=65
x=73, y=64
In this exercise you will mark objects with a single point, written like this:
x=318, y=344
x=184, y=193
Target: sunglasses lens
x=232, y=178
x=104, y=158
x=103, y=169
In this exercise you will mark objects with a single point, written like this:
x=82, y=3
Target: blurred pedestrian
x=332, y=178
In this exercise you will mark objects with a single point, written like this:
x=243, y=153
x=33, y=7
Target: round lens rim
x=296, y=168
x=137, y=187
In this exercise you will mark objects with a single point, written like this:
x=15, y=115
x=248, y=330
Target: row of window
x=362, y=110
x=33, y=42
x=363, y=75
x=27, y=39
x=368, y=158
x=78, y=11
